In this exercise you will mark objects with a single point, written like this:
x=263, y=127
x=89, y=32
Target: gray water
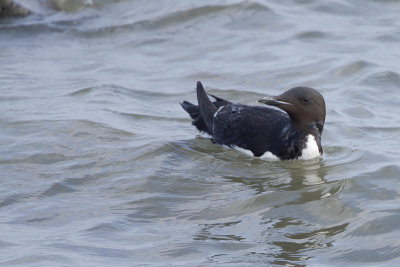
x=100, y=166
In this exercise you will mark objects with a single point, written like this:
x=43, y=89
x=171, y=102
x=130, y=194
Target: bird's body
x=293, y=134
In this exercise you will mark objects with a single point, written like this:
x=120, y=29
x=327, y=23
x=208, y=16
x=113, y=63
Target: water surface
x=100, y=166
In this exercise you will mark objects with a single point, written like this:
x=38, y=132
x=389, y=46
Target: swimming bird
x=290, y=132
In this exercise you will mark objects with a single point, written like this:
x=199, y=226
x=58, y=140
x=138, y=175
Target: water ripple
x=100, y=165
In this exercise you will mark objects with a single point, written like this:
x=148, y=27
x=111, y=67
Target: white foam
x=310, y=150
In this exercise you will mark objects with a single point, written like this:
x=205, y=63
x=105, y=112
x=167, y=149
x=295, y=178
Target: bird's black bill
x=272, y=101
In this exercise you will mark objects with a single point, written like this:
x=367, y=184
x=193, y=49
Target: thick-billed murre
x=294, y=133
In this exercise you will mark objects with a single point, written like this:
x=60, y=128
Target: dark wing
x=219, y=102
x=250, y=127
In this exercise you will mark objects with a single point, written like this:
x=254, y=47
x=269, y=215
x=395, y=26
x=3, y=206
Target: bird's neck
x=306, y=128
x=296, y=137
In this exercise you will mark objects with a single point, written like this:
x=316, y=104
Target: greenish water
x=100, y=166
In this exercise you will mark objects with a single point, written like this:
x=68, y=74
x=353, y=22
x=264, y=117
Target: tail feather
x=195, y=113
x=207, y=108
x=193, y=110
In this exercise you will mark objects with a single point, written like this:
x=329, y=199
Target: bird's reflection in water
x=300, y=211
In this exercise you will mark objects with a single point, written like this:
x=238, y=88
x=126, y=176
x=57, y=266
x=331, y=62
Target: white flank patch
x=244, y=151
x=267, y=155
x=310, y=150
x=204, y=135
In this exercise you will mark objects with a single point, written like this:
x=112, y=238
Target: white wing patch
x=310, y=150
x=218, y=110
x=215, y=115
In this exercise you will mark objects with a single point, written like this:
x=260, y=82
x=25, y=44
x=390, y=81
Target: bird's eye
x=306, y=100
